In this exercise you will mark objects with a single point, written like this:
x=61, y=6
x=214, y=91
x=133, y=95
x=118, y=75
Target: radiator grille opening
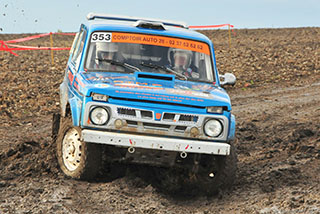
x=156, y=126
x=146, y=114
x=168, y=116
x=126, y=111
x=132, y=123
x=188, y=118
x=180, y=128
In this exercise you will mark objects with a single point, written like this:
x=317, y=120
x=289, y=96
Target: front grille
x=147, y=121
x=142, y=119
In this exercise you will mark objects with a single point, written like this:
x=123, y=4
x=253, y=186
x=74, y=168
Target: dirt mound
x=276, y=102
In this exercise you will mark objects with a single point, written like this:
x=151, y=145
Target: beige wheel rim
x=71, y=149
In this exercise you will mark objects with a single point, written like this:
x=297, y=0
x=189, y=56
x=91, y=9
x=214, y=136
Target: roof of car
x=102, y=22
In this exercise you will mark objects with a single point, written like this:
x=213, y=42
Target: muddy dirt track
x=276, y=102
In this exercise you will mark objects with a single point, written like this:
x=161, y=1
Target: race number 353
x=101, y=37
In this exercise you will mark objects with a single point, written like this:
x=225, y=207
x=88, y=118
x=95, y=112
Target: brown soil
x=276, y=102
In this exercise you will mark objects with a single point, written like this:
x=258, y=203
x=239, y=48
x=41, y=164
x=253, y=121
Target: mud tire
x=170, y=181
x=89, y=160
x=183, y=182
x=224, y=169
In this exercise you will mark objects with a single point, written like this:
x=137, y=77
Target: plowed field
x=276, y=101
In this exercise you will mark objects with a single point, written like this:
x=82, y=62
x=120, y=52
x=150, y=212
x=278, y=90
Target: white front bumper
x=159, y=143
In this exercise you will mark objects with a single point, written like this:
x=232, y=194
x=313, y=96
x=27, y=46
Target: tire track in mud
x=275, y=153
x=279, y=142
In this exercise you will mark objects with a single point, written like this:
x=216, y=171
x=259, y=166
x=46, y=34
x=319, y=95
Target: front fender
x=232, y=129
x=75, y=107
x=68, y=98
x=63, y=98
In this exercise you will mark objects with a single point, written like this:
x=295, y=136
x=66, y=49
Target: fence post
x=229, y=36
x=51, y=43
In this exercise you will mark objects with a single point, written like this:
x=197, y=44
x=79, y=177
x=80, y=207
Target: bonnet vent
x=155, y=77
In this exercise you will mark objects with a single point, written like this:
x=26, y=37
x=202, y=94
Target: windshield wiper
x=169, y=70
x=122, y=64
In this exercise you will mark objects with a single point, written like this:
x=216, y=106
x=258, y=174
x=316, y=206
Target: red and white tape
x=8, y=45
x=210, y=26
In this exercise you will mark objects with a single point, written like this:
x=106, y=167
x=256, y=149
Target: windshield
x=129, y=52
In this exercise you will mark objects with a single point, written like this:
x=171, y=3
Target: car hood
x=154, y=88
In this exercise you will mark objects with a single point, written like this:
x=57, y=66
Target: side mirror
x=227, y=79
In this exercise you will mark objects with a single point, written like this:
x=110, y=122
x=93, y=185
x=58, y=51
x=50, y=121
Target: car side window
x=76, y=38
x=78, y=49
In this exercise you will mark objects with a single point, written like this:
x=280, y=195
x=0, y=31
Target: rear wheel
x=77, y=159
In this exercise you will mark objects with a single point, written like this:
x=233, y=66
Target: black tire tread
x=179, y=181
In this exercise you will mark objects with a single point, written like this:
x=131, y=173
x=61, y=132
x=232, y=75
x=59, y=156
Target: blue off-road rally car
x=145, y=94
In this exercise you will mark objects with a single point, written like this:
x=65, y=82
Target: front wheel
x=218, y=173
x=210, y=175
x=77, y=159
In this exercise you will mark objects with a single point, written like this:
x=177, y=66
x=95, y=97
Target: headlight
x=99, y=97
x=213, y=128
x=215, y=109
x=99, y=116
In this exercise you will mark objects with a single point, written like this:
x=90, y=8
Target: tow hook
x=183, y=154
x=131, y=150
